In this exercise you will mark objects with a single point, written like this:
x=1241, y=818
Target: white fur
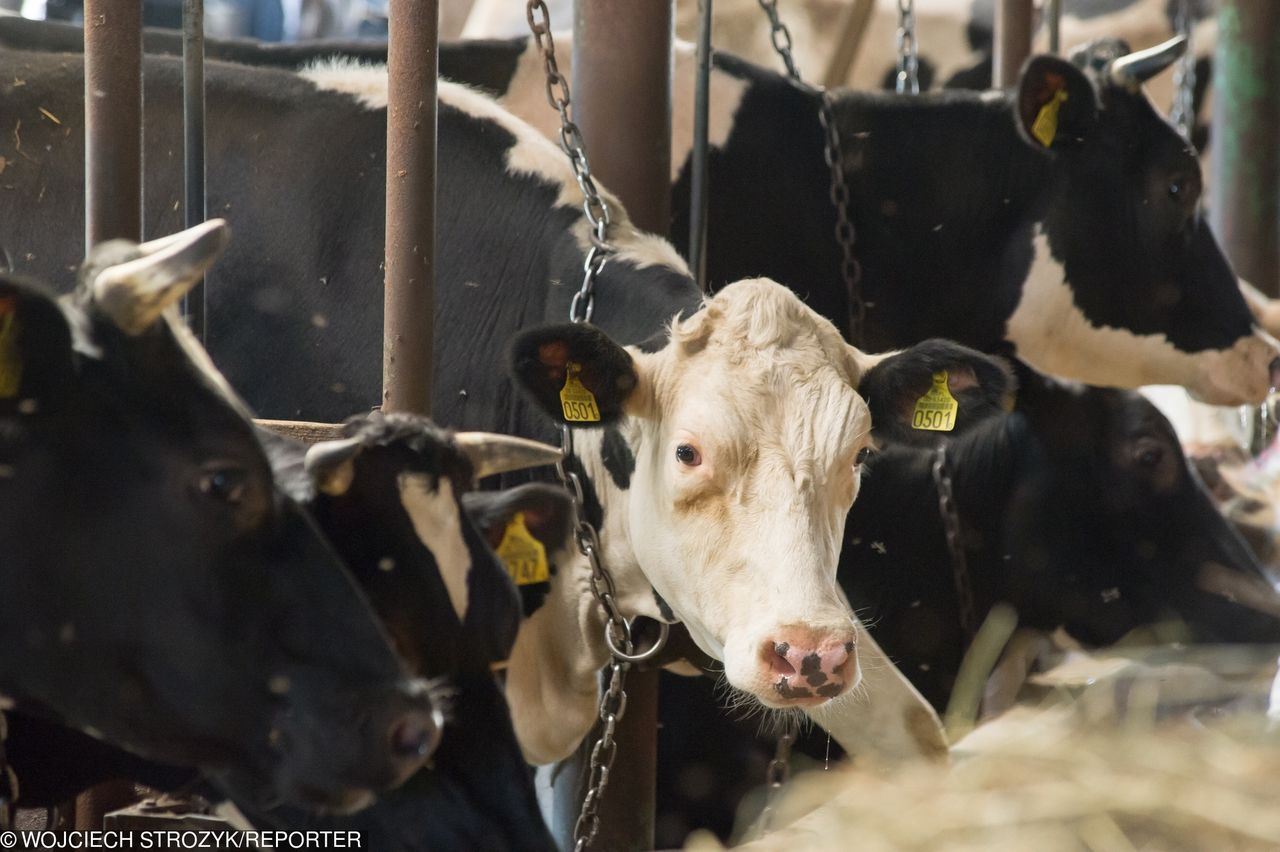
x=431, y=507
x=1054, y=336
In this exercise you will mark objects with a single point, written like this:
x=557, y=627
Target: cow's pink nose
x=807, y=666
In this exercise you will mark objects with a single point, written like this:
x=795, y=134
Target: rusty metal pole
x=112, y=120
x=700, y=179
x=1245, y=155
x=1012, y=41
x=622, y=102
x=408, y=306
x=194, y=206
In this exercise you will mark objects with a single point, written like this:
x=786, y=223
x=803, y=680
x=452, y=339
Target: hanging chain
x=955, y=542
x=1183, y=115
x=617, y=629
x=838, y=192
x=780, y=36
x=908, y=82
x=778, y=773
x=583, y=304
x=8, y=782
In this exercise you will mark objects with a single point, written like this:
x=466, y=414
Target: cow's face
x=746, y=432
x=1113, y=530
x=1123, y=269
x=163, y=594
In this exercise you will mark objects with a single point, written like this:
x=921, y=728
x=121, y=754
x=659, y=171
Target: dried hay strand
x=1122, y=763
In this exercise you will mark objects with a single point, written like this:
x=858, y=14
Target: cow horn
x=1134, y=69
x=134, y=293
x=331, y=464
x=491, y=453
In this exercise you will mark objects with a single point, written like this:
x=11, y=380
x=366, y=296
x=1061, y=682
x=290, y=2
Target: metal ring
x=663, y=630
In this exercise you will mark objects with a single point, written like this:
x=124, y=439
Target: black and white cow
x=1088, y=255
x=388, y=497
x=740, y=414
x=1078, y=509
x=157, y=590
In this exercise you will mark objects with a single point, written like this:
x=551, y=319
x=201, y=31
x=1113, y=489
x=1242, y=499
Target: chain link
x=955, y=542
x=777, y=774
x=617, y=629
x=838, y=191
x=597, y=212
x=780, y=36
x=908, y=81
x=1183, y=115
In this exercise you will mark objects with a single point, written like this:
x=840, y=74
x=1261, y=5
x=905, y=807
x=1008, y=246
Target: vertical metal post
x=112, y=120
x=194, y=207
x=113, y=200
x=409, y=312
x=1053, y=22
x=1012, y=41
x=1245, y=155
x=622, y=102
x=700, y=177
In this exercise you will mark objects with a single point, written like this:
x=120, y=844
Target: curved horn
x=492, y=453
x=136, y=292
x=331, y=464
x=1134, y=69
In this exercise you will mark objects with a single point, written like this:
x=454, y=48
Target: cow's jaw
x=1053, y=335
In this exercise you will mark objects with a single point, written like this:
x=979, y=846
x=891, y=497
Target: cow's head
x=1112, y=530
x=730, y=458
x=390, y=496
x=157, y=590
x=1124, y=217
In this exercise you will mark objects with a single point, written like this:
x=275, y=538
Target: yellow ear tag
x=524, y=555
x=578, y=403
x=1045, y=127
x=936, y=410
x=10, y=358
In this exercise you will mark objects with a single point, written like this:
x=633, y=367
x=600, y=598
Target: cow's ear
x=936, y=389
x=36, y=359
x=575, y=373
x=505, y=519
x=545, y=510
x=1056, y=106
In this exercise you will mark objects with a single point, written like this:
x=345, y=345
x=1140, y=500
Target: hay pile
x=1111, y=766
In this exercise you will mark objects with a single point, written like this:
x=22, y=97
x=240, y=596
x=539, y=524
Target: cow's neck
x=946, y=196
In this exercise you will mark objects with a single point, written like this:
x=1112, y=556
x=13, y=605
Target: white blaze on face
x=1053, y=335
x=437, y=520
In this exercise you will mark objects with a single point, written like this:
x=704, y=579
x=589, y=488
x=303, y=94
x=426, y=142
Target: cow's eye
x=688, y=456
x=1148, y=454
x=223, y=482
x=863, y=455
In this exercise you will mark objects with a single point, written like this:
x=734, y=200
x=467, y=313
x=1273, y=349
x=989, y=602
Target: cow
x=158, y=591
x=740, y=413
x=1088, y=265
x=1079, y=509
x=447, y=602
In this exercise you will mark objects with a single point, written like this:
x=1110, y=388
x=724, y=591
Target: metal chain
x=778, y=773
x=838, y=192
x=955, y=542
x=597, y=212
x=908, y=81
x=780, y=36
x=617, y=629
x=1183, y=114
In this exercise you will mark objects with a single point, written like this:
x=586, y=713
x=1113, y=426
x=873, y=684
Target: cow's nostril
x=775, y=653
x=415, y=736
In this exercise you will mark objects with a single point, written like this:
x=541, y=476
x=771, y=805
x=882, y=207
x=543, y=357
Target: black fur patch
x=618, y=458
x=538, y=362
x=664, y=609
